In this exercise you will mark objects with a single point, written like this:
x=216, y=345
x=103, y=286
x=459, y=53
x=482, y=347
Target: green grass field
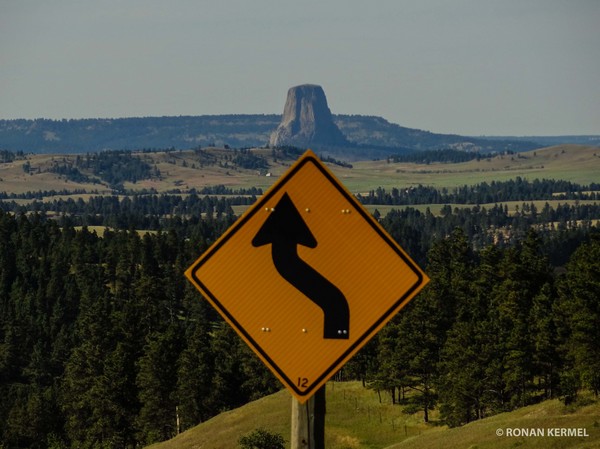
x=534, y=427
x=569, y=162
x=356, y=419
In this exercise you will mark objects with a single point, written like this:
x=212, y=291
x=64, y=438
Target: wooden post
x=308, y=422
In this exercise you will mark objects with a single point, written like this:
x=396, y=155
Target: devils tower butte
x=307, y=120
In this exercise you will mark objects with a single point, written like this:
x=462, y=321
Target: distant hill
x=368, y=136
x=547, y=141
x=90, y=135
x=376, y=131
x=179, y=171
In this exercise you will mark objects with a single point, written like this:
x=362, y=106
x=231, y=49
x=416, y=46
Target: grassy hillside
x=574, y=163
x=509, y=430
x=356, y=419
x=183, y=170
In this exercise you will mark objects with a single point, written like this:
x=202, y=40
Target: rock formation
x=307, y=120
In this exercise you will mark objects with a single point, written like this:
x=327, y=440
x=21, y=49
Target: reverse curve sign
x=306, y=276
x=285, y=230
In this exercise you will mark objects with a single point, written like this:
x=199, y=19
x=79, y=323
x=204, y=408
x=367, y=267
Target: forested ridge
x=518, y=189
x=104, y=344
x=237, y=130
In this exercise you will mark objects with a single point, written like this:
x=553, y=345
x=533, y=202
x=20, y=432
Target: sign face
x=306, y=276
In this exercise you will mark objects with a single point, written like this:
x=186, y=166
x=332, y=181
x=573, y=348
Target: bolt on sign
x=306, y=276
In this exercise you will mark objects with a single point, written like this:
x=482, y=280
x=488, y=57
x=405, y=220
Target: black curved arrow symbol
x=285, y=230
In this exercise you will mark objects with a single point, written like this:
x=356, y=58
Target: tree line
x=498, y=224
x=9, y=156
x=561, y=228
x=495, y=330
x=148, y=212
x=446, y=155
x=518, y=189
x=113, y=167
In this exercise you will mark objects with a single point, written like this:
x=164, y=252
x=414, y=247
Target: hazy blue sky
x=494, y=67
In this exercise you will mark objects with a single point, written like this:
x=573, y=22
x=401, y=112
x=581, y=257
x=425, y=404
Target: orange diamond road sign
x=306, y=276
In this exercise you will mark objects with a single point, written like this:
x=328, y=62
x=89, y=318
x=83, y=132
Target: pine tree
x=471, y=384
x=195, y=369
x=546, y=358
x=524, y=271
x=156, y=382
x=85, y=397
x=229, y=376
x=579, y=309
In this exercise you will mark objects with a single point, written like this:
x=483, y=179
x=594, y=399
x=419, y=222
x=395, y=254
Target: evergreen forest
x=105, y=344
